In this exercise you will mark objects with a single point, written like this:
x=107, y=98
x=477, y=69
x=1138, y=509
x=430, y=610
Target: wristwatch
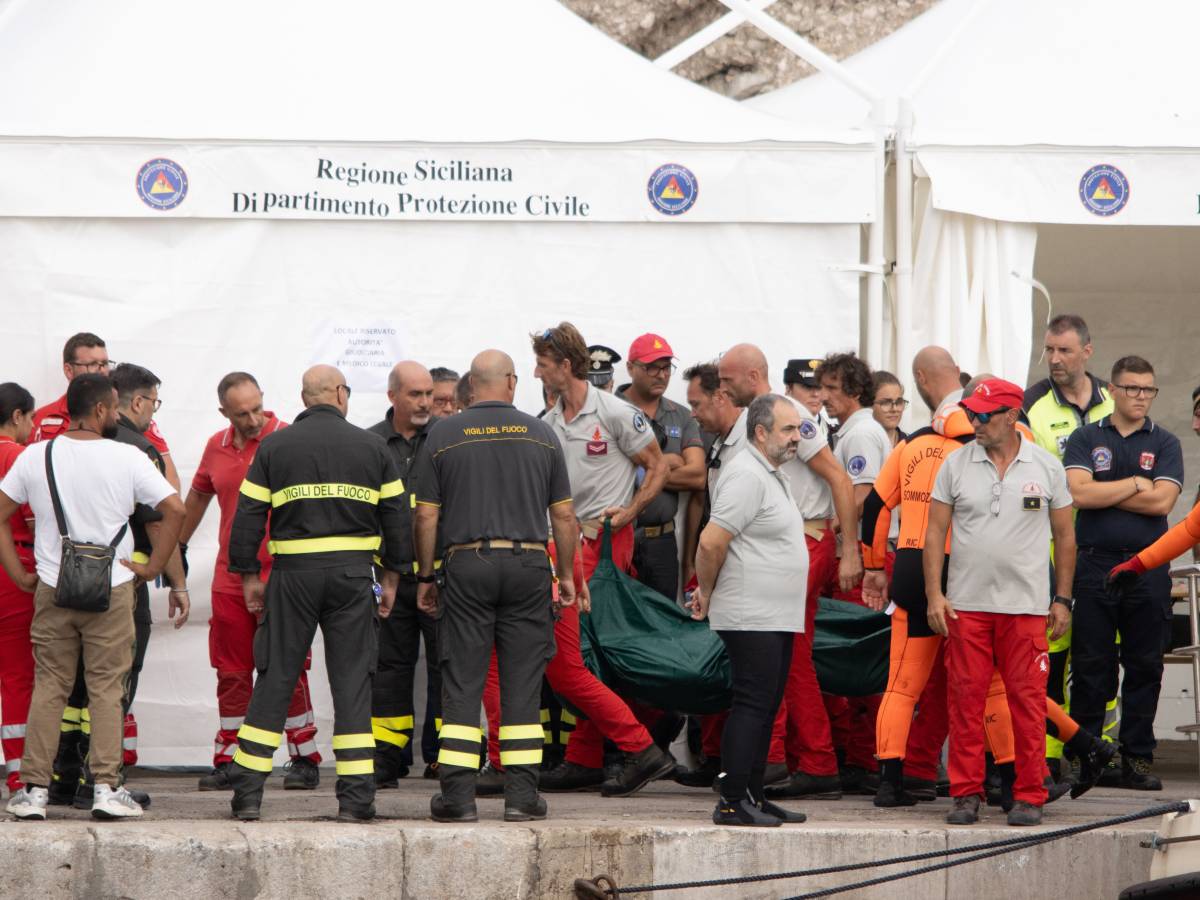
x=1068, y=602
x=426, y=579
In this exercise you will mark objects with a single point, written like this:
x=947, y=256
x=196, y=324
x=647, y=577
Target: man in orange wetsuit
x=917, y=668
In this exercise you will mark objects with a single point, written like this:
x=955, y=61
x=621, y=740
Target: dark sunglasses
x=984, y=418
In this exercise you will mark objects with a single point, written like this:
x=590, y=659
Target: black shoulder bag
x=85, y=573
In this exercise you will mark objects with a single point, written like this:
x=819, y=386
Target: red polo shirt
x=52, y=420
x=21, y=531
x=222, y=470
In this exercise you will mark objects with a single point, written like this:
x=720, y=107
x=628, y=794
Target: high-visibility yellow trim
x=398, y=738
x=460, y=733
x=255, y=763
x=139, y=557
x=72, y=714
x=327, y=491
x=519, y=732
x=259, y=736
x=323, y=545
x=548, y=737
x=395, y=723
x=437, y=564
x=256, y=491
x=85, y=715
x=520, y=757
x=564, y=737
x=353, y=742
x=567, y=718
x=457, y=758
x=437, y=724
x=391, y=489
x=545, y=715
x=69, y=726
x=355, y=766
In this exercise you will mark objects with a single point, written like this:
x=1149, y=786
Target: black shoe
x=1110, y=776
x=443, y=811
x=1054, y=764
x=216, y=780
x=943, y=783
x=552, y=757
x=525, y=812
x=1024, y=813
x=743, y=812
x=814, y=787
x=245, y=809
x=891, y=791
x=431, y=772
x=965, y=812
x=62, y=791
x=1094, y=756
x=356, y=814
x=490, y=782
x=388, y=773
x=775, y=773
x=569, y=777
x=786, y=816
x=923, y=790
x=1136, y=774
x=640, y=769
x=302, y=775
x=702, y=776
x=1000, y=791
x=1055, y=790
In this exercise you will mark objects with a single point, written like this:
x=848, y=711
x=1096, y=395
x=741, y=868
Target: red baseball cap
x=994, y=394
x=648, y=348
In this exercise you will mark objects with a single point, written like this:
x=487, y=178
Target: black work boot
x=1136, y=774
x=801, y=784
x=1024, y=813
x=965, y=812
x=388, y=771
x=490, y=782
x=891, y=791
x=786, y=816
x=524, y=810
x=350, y=813
x=568, y=777
x=1094, y=756
x=1001, y=793
x=302, y=775
x=68, y=769
x=216, y=780
x=744, y=813
x=247, y=792
x=442, y=810
x=640, y=769
x=924, y=790
x=703, y=775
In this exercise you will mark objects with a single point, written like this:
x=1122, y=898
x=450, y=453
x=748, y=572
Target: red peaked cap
x=994, y=394
x=650, y=347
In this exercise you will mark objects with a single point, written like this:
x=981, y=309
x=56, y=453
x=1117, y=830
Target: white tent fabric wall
x=194, y=299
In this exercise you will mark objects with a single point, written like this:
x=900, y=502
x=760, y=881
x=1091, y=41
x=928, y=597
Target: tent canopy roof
x=444, y=71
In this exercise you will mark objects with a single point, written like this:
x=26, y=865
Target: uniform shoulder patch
x=1146, y=461
x=1102, y=459
x=856, y=465
x=639, y=422
x=808, y=430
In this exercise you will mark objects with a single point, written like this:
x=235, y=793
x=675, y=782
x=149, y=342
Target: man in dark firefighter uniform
x=488, y=476
x=332, y=491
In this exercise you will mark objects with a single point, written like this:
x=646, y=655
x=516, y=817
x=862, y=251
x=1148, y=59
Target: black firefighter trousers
x=497, y=598
x=340, y=599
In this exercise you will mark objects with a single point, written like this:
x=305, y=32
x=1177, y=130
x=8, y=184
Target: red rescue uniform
x=16, y=649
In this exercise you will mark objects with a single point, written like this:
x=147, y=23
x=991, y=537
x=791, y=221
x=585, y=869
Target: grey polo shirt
x=597, y=444
x=761, y=586
x=724, y=449
x=1000, y=529
x=682, y=433
x=811, y=491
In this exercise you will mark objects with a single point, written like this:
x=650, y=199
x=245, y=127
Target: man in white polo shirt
x=1005, y=497
x=604, y=440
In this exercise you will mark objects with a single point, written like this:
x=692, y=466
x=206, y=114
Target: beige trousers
x=107, y=640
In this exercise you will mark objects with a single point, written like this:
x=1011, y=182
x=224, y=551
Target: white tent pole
x=689, y=47
x=802, y=48
x=902, y=320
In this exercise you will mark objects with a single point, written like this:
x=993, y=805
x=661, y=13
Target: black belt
x=653, y=531
x=25, y=544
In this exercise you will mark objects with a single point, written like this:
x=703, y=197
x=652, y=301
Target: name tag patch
x=1146, y=461
x=673, y=431
x=1102, y=459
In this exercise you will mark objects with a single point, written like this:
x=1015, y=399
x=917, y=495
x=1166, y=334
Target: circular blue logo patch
x=1102, y=459
x=856, y=465
x=672, y=189
x=162, y=184
x=808, y=430
x=1104, y=190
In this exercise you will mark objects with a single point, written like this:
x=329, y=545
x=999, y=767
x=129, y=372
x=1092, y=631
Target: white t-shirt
x=99, y=483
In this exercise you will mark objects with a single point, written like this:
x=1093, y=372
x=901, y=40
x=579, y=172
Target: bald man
x=335, y=499
x=405, y=428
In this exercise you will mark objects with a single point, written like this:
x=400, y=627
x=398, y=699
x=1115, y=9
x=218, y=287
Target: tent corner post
x=902, y=282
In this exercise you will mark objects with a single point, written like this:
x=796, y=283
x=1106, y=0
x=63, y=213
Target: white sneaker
x=110, y=804
x=29, y=803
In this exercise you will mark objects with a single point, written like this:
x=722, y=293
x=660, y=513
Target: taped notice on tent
x=364, y=351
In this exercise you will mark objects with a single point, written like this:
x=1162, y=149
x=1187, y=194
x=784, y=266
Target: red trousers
x=231, y=652
x=16, y=670
x=622, y=551
x=1015, y=646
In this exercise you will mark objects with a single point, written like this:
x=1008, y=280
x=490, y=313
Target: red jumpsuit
x=16, y=649
x=231, y=629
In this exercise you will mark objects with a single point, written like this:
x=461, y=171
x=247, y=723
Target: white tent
x=1008, y=108
x=263, y=186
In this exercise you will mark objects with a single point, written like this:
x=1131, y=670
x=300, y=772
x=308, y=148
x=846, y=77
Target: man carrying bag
x=83, y=489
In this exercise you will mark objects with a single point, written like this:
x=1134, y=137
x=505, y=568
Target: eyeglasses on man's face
x=154, y=402
x=1137, y=390
x=98, y=366
x=343, y=387
x=663, y=368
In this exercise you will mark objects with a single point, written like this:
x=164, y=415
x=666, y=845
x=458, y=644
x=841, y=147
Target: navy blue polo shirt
x=1151, y=452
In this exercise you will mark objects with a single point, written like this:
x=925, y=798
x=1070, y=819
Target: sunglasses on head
x=984, y=418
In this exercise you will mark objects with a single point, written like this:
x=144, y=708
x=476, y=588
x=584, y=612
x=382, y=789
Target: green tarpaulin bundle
x=646, y=648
